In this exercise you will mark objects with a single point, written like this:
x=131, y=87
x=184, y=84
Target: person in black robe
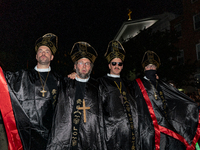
x=33, y=95
x=119, y=107
x=77, y=123
x=168, y=119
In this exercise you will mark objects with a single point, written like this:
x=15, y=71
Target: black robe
x=116, y=122
x=90, y=136
x=32, y=113
x=179, y=114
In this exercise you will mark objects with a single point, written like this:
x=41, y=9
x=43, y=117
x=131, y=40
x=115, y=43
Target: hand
x=72, y=75
x=157, y=77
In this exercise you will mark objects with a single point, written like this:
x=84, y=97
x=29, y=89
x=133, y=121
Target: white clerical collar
x=43, y=70
x=146, y=78
x=113, y=75
x=82, y=80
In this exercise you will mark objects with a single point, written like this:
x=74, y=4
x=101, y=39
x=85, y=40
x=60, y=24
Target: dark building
x=187, y=27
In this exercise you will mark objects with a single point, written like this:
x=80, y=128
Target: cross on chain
x=43, y=91
x=122, y=98
x=84, y=110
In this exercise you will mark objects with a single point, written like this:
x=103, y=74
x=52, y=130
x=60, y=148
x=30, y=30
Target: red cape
x=14, y=141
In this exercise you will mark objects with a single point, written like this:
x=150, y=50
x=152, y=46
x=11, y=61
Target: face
x=150, y=67
x=44, y=55
x=83, y=68
x=116, y=66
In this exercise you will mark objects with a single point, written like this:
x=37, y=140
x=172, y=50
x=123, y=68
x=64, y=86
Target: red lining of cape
x=14, y=141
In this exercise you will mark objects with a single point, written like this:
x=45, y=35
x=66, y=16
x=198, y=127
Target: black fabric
x=33, y=113
x=116, y=122
x=79, y=94
x=90, y=133
x=182, y=116
x=150, y=74
x=1, y=119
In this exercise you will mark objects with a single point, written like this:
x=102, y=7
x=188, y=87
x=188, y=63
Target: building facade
x=187, y=27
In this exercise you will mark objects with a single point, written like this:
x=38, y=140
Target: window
x=198, y=51
x=197, y=80
x=196, y=20
x=180, y=58
x=178, y=30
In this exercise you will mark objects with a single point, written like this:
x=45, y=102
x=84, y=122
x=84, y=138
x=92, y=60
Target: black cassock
x=173, y=110
x=120, y=119
x=69, y=128
x=33, y=113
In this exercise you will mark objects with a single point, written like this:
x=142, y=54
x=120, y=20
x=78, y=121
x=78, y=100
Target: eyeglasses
x=151, y=66
x=82, y=63
x=119, y=63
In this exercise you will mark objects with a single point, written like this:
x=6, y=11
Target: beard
x=43, y=61
x=82, y=75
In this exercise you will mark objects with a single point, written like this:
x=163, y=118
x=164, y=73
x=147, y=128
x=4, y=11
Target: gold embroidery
x=77, y=106
x=74, y=142
x=79, y=101
x=128, y=109
x=74, y=128
x=124, y=93
x=76, y=120
x=77, y=112
x=54, y=92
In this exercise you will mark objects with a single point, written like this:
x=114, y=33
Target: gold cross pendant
x=84, y=108
x=43, y=91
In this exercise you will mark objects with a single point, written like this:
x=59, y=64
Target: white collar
x=82, y=80
x=113, y=75
x=146, y=78
x=43, y=70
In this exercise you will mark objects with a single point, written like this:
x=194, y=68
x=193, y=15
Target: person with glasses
x=168, y=119
x=119, y=109
x=78, y=118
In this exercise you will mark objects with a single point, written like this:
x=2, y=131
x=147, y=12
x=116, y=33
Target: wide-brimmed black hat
x=115, y=50
x=83, y=50
x=50, y=40
x=150, y=57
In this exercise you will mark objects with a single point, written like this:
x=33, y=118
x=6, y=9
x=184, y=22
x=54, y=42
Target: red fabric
x=173, y=134
x=14, y=141
x=164, y=130
x=196, y=137
x=151, y=111
x=180, y=138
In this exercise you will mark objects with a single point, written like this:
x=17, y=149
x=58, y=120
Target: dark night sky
x=96, y=22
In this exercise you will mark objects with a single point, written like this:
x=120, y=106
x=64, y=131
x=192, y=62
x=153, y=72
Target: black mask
x=150, y=74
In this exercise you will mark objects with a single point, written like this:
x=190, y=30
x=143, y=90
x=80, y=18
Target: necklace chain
x=155, y=95
x=120, y=88
x=43, y=91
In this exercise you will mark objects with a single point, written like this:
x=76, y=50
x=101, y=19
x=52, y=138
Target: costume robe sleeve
x=183, y=113
x=33, y=113
x=181, y=123
x=14, y=141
